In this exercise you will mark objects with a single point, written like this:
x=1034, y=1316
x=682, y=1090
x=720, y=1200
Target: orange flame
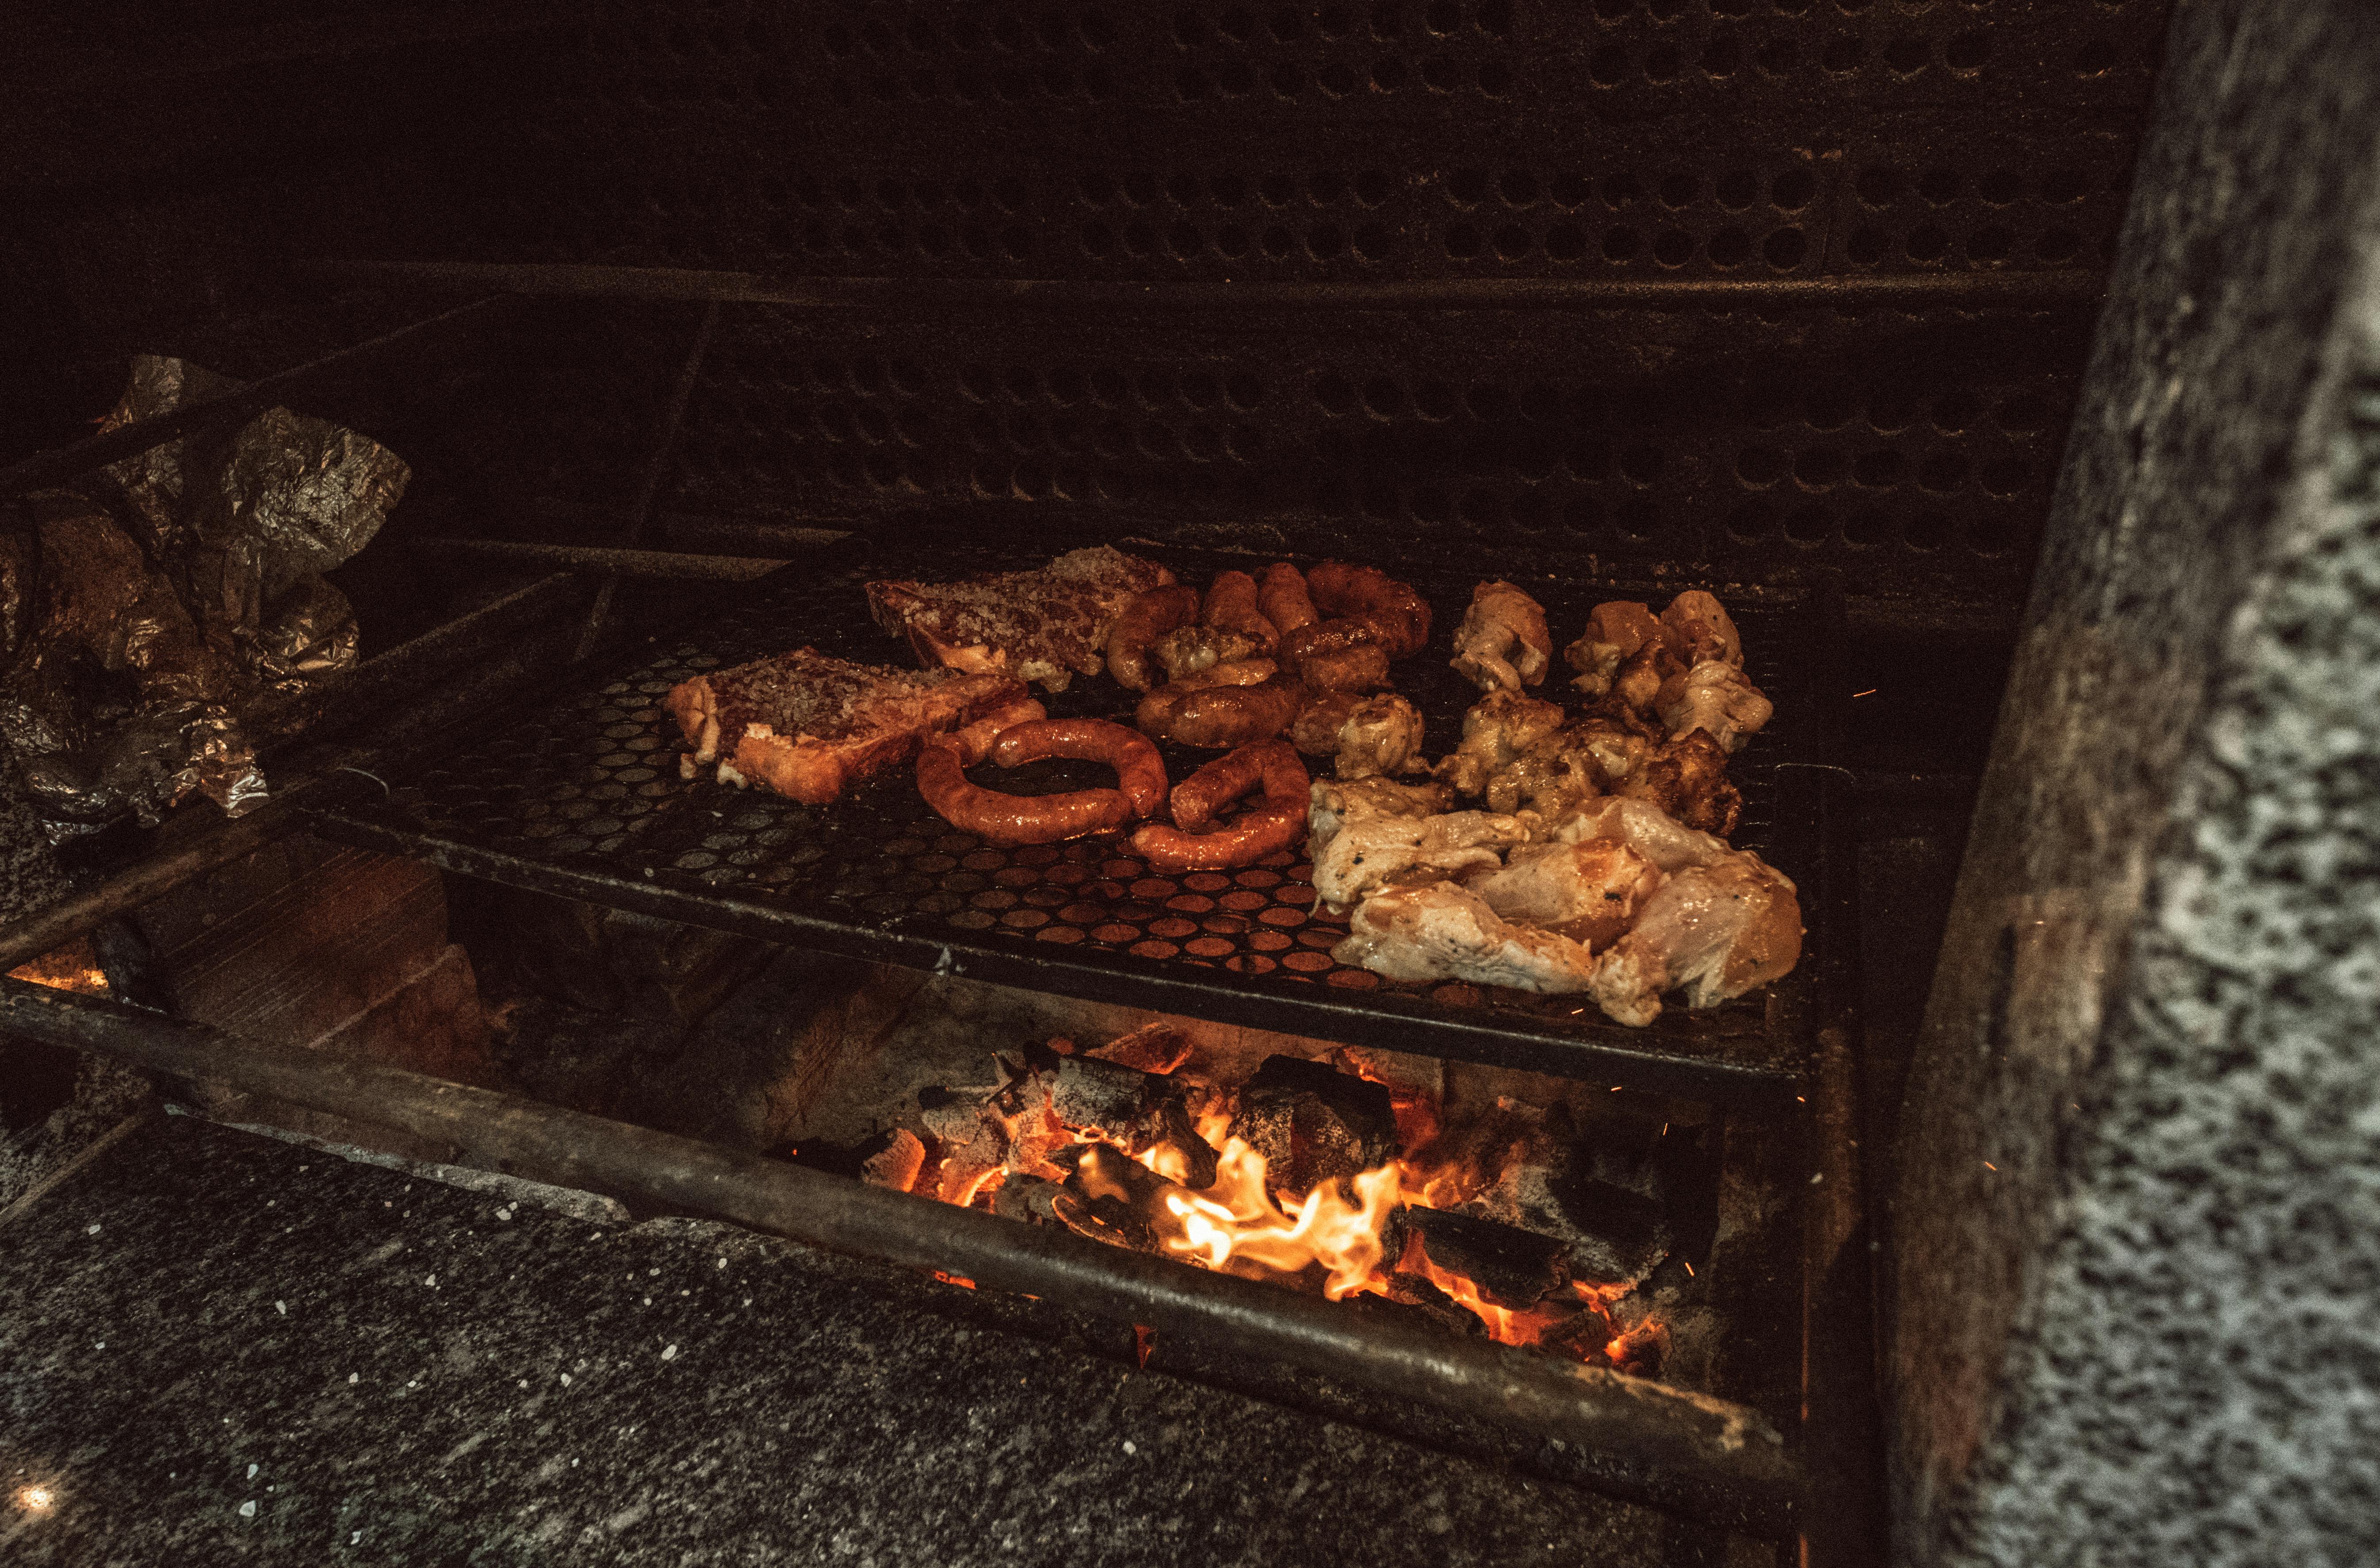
x=1236, y=1219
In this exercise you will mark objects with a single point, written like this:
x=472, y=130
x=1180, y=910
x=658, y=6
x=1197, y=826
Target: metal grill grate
x=585, y=797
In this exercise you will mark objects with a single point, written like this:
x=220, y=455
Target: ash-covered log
x=1312, y=1123
x=1513, y=1268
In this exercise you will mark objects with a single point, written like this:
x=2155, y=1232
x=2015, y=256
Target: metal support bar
x=1911, y=290
x=46, y=469
x=613, y=562
x=648, y=488
x=1671, y=1448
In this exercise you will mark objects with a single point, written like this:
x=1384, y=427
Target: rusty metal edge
x=1682, y=1452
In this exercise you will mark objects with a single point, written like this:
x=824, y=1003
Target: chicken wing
x=1642, y=827
x=1374, y=833
x=1614, y=632
x=1715, y=698
x=1687, y=778
x=1502, y=643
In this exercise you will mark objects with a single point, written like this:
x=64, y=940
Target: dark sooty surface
x=222, y=1348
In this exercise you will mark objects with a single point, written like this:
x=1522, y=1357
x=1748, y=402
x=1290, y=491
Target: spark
x=1869, y=692
x=36, y=1499
x=1989, y=1166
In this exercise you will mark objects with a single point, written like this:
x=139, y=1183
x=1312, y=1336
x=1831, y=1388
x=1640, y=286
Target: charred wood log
x=1313, y=1124
x=1424, y=1300
x=1513, y=1268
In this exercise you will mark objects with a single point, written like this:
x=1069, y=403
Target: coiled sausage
x=1140, y=771
x=1013, y=818
x=1367, y=593
x=1266, y=829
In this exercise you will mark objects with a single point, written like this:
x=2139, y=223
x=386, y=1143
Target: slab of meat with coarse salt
x=806, y=724
x=1047, y=625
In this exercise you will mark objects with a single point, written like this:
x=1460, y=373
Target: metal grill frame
x=578, y=795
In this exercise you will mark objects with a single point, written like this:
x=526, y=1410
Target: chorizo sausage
x=1271, y=765
x=1141, y=623
x=1282, y=598
x=1231, y=606
x=974, y=741
x=1011, y=819
x=1140, y=771
x=1219, y=716
x=1338, y=655
x=1400, y=615
x=1265, y=829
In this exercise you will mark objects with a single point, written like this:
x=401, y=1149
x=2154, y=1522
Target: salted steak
x=1048, y=624
x=807, y=725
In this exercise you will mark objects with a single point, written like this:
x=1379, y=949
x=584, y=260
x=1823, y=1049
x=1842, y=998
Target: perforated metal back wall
x=1406, y=139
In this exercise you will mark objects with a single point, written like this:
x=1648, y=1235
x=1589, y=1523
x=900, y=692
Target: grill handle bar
x=1686, y=1453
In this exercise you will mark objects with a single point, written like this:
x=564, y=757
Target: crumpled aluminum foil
x=142, y=621
x=153, y=480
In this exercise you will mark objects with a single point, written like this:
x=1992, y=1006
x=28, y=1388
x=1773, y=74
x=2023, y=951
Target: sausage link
x=1140, y=771
x=1283, y=599
x=1271, y=764
x=1368, y=593
x=1219, y=716
x=1267, y=829
x=1141, y=623
x=974, y=740
x=1232, y=605
x=1013, y=818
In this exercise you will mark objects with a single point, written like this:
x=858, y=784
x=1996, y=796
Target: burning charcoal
x=1641, y=1350
x=1153, y=1047
x=1094, y=1096
x=1170, y=1127
x=1312, y=1123
x=1513, y=1268
x=1030, y=1199
x=970, y=1136
x=1419, y=1295
x=1112, y=1197
x=896, y=1166
x=1547, y=1182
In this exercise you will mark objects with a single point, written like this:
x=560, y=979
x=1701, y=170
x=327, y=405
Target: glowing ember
x=35, y=1500
x=1346, y=1236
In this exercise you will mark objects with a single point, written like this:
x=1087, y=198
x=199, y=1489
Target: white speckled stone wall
x=2134, y=1306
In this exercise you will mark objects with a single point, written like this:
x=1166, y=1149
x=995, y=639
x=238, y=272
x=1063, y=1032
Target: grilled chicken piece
x=1715, y=698
x=1589, y=893
x=1364, y=735
x=1699, y=629
x=1374, y=833
x=1614, y=632
x=1714, y=932
x=1442, y=931
x=1046, y=625
x=1502, y=644
x=1642, y=827
x=1500, y=728
x=1687, y=778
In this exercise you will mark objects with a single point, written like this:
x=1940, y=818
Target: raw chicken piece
x=1443, y=932
x=1715, y=930
x=1371, y=833
x=1699, y=629
x=1713, y=696
x=1502, y=644
x=1589, y=893
x=1614, y=631
x=1642, y=827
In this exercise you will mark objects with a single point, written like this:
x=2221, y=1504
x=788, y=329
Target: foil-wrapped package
x=143, y=618
x=115, y=700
